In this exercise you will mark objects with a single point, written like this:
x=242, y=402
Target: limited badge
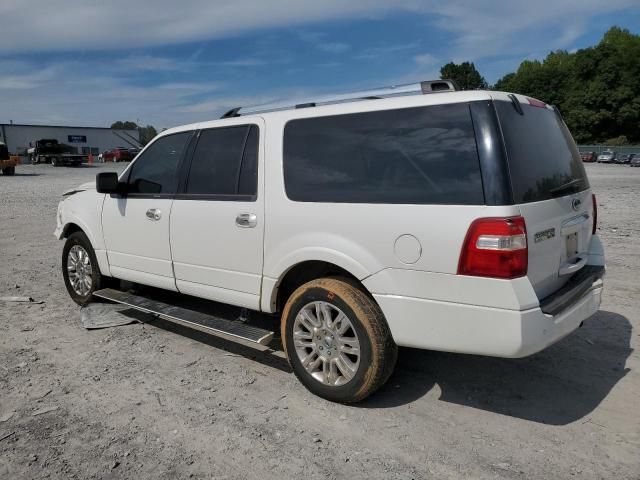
x=544, y=235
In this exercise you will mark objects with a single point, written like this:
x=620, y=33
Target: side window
x=225, y=162
x=155, y=171
x=424, y=155
x=248, y=184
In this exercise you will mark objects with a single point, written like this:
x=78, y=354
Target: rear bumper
x=455, y=327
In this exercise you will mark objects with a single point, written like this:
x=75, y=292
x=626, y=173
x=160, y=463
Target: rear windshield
x=544, y=161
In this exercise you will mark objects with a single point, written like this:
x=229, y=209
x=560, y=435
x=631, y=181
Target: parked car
x=119, y=154
x=361, y=223
x=607, y=156
x=588, y=157
x=107, y=156
x=625, y=159
x=134, y=151
x=635, y=161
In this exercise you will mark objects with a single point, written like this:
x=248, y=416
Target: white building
x=94, y=140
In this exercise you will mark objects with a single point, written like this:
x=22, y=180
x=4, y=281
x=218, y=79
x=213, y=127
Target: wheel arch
x=300, y=273
x=75, y=225
x=70, y=228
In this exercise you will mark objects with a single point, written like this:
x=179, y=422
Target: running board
x=200, y=321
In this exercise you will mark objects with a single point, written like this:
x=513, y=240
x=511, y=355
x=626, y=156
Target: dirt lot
x=155, y=401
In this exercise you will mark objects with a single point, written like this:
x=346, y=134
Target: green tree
x=124, y=125
x=596, y=89
x=464, y=74
x=147, y=133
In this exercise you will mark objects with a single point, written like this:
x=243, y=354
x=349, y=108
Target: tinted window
x=155, y=170
x=542, y=155
x=218, y=167
x=249, y=170
x=416, y=155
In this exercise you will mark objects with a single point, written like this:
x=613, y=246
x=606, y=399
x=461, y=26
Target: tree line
x=597, y=89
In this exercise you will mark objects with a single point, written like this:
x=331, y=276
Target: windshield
x=543, y=158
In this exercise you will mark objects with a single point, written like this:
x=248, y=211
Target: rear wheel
x=9, y=171
x=337, y=340
x=80, y=268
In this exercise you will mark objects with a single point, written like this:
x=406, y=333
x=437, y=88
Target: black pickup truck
x=49, y=150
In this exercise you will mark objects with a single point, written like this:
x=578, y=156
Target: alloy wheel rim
x=79, y=270
x=326, y=343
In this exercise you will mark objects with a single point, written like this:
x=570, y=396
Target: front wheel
x=80, y=268
x=337, y=340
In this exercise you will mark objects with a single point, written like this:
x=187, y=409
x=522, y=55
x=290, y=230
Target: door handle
x=246, y=220
x=154, y=214
x=568, y=268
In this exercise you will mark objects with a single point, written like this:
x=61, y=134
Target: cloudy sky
x=168, y=62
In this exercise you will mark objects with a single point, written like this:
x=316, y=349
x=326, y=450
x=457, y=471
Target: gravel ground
x=155, y=401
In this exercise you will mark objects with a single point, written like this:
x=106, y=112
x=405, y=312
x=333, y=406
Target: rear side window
x=424, y=155
x=544, y=161
x=225, y=162
x=155, y=170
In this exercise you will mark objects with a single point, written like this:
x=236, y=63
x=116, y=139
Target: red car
x=588, y=157
x=119, y=154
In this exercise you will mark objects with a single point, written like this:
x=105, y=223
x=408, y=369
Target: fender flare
x=272, y=282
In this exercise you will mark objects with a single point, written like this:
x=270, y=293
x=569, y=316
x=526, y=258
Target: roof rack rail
x=419, y=88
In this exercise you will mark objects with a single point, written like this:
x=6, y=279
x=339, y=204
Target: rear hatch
x=551, y=188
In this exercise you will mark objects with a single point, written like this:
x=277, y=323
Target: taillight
x=595, y=213
x=495, y=247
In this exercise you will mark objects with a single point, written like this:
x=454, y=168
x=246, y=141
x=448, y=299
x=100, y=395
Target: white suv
x=460, y=221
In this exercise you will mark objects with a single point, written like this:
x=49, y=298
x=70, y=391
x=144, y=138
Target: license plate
x=572, y=245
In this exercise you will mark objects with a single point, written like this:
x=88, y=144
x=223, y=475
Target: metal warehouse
x=85, y=140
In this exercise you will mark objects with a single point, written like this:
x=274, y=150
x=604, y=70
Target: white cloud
x=319, y=41
x=503, y=27
x=480, y=27
x=425, y=60
x=381, y=51
x=151, y=63
x=93, y=96
x=83, y=25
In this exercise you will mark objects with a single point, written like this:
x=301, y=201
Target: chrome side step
x=200, y=321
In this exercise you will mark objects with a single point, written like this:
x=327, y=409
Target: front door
x=136, y=224
x=217, y=221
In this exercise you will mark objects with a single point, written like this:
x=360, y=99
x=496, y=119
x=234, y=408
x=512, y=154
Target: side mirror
x=107, y=182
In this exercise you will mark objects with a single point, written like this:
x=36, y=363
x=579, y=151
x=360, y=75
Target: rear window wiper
x=571, y=186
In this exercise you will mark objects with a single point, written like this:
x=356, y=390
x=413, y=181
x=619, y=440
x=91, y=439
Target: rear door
x=551, y=188
x=217, y=221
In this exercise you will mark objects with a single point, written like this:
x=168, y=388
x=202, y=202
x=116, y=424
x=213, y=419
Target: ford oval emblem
x=575, y=204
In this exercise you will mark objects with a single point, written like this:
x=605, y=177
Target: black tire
x=97, y=279
x=378, y=351
x=9, y=171
x=54, y=162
